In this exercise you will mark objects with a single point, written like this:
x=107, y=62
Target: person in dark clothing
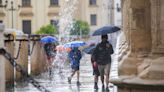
x=96, y=72
x=74, y=57
x=102, y=56
x=50, y=54
x=50, y=50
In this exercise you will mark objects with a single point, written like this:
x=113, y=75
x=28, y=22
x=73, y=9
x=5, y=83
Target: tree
x=80, y=28
x=48, y=29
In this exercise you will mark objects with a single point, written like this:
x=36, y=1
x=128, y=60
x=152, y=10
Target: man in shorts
x=102, y=56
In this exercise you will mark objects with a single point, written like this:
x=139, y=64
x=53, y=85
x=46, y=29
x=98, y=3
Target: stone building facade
x=32, y=14
x=141, y=53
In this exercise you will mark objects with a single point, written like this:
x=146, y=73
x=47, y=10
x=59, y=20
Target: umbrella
x=90, y=49
x=105, y=30
x=49, y=39
x=62, y=48
x=74, y=44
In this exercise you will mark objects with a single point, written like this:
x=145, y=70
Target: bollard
x=29, y=56
x=2, y=61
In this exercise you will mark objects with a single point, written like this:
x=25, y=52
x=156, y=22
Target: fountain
x=66, y=18
x=65, y=25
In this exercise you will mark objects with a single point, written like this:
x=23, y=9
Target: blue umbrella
x=105, y=30
x=74, y=44
x=90, y=49
x=49, y=39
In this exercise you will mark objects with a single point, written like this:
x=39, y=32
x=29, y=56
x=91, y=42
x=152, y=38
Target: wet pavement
x=58, y=82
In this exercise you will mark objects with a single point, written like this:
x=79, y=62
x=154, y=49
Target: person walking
x=96, y=72
x=102, y=56
x=50, y=54
x=75, y=57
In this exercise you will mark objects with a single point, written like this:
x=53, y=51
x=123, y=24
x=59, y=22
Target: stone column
x=2, y=63
x=136, y=27
x=141, y=62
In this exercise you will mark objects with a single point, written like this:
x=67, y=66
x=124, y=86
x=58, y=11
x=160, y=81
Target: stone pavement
x=58, y=83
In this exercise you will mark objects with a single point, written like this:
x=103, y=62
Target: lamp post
x=118, y=7
x=12, y=14
x=113, y=8
x=12, y=9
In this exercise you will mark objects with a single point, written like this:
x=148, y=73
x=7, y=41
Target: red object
x=62, y=48
x=94, y=64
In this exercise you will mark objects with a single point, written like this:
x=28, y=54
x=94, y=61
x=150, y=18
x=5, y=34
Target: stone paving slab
x=59, y=81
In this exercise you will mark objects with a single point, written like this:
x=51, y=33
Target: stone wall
x=136, y=26
x=38, y=59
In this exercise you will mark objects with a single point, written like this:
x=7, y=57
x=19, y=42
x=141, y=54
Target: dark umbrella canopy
x=90, y=49
x=106, y=30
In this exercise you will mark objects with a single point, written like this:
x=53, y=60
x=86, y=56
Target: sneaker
x=69, y=80
x=50, y=71
x=103, y=87
x=96, y=87
x=78, y=83
x=107, y=89
x=111, y=85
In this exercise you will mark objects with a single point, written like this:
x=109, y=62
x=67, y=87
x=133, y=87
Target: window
x=92, y=2
x=54, y=22
x=93, y=19
x=0, y=2
x=26, y=25
x=54, y=2
x=26, y=3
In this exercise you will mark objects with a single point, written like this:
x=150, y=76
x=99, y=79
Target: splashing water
x=65, y=25
x=60, y=59
x=66, y=19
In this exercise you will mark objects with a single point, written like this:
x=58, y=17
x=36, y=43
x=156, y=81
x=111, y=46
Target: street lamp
x=118, y=7
x=1, y=5
x=12, y=9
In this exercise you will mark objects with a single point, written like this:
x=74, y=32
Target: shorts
x=75, y=68
x=104, y=69
x=95, y=70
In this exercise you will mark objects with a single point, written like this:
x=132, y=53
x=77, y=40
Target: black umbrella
x=105, y=30
x=90, y=49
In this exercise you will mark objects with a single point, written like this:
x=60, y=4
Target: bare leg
x=102, y=79
x=107, y=80
x=69, y=78
x=96, y=78
x=96, y=82
x=107, y=69
x=78, y=74
x=73, y=73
